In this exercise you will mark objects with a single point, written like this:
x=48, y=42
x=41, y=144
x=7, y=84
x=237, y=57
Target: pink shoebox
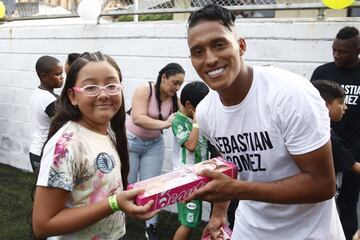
x=224, y=233
x=173, y=187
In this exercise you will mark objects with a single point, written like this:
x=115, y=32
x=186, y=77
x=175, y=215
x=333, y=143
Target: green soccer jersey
x=181, y=127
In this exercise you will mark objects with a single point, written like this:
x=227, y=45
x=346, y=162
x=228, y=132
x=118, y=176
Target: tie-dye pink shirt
x=87, y=165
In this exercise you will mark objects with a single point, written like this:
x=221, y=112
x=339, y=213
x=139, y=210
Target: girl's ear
x=71, y=95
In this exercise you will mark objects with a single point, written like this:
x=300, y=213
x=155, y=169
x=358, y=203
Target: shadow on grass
x=167, y=225
x=16, y=205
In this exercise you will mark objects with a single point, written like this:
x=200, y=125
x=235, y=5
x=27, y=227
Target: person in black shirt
x=334, y=96
x=345, y=70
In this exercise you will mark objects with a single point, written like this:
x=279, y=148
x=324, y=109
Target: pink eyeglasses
x=94, y=90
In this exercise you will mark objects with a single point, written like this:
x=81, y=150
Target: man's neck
x=351, y=66
x=239, y=89
x=355, y=64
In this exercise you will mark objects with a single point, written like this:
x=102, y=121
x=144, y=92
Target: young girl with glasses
x=84, y=164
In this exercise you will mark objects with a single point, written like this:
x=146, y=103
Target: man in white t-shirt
x=275, y=127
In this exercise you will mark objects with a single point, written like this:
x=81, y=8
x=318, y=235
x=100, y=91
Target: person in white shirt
x=275, y=127
x=42, y=105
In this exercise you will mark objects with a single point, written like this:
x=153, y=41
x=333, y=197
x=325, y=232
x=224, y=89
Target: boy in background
x=334, y=96
x=42, y=105
x=189, y=148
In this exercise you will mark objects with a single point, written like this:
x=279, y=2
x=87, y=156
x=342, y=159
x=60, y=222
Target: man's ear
x=71, y=95
x=242, y=45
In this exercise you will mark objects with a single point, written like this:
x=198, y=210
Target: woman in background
x=153, y=105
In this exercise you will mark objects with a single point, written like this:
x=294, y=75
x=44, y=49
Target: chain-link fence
x=32, y=9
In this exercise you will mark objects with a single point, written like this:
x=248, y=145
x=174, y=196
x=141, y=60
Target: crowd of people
x=295, y=142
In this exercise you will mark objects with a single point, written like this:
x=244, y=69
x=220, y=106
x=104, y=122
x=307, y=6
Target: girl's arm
x=51, y=217
x=140, y=103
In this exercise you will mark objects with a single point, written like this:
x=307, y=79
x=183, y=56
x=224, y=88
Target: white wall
x=141, y=50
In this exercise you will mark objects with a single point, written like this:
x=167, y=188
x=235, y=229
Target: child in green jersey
x=189, y=148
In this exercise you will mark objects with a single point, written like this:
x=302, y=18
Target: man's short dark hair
x=46, y=64
x=193, y=92
x=213, y=12
x=347, y=33
x=329, y=90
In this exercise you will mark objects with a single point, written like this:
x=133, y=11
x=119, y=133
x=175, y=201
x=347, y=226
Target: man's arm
x=314, y=183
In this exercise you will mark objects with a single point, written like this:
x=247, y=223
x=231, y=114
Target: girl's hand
x=126, y=203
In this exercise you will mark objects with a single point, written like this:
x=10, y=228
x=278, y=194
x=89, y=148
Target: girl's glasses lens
x=94, y=90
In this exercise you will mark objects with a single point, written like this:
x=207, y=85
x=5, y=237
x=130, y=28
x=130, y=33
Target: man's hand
x=220, y=188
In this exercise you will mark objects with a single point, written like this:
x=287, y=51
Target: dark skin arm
x=314, y=183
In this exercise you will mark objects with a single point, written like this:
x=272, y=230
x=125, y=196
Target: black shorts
x=35, y=163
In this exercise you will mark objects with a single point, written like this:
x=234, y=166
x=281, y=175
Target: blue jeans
x=146, y=157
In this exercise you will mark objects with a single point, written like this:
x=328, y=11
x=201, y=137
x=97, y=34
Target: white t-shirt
x=40, y=121
x=87, y=165
x=282, y=114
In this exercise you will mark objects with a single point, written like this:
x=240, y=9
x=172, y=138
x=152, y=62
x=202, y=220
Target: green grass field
x=16, y=204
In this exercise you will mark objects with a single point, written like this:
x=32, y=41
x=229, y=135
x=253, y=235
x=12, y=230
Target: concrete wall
x=141, y=50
